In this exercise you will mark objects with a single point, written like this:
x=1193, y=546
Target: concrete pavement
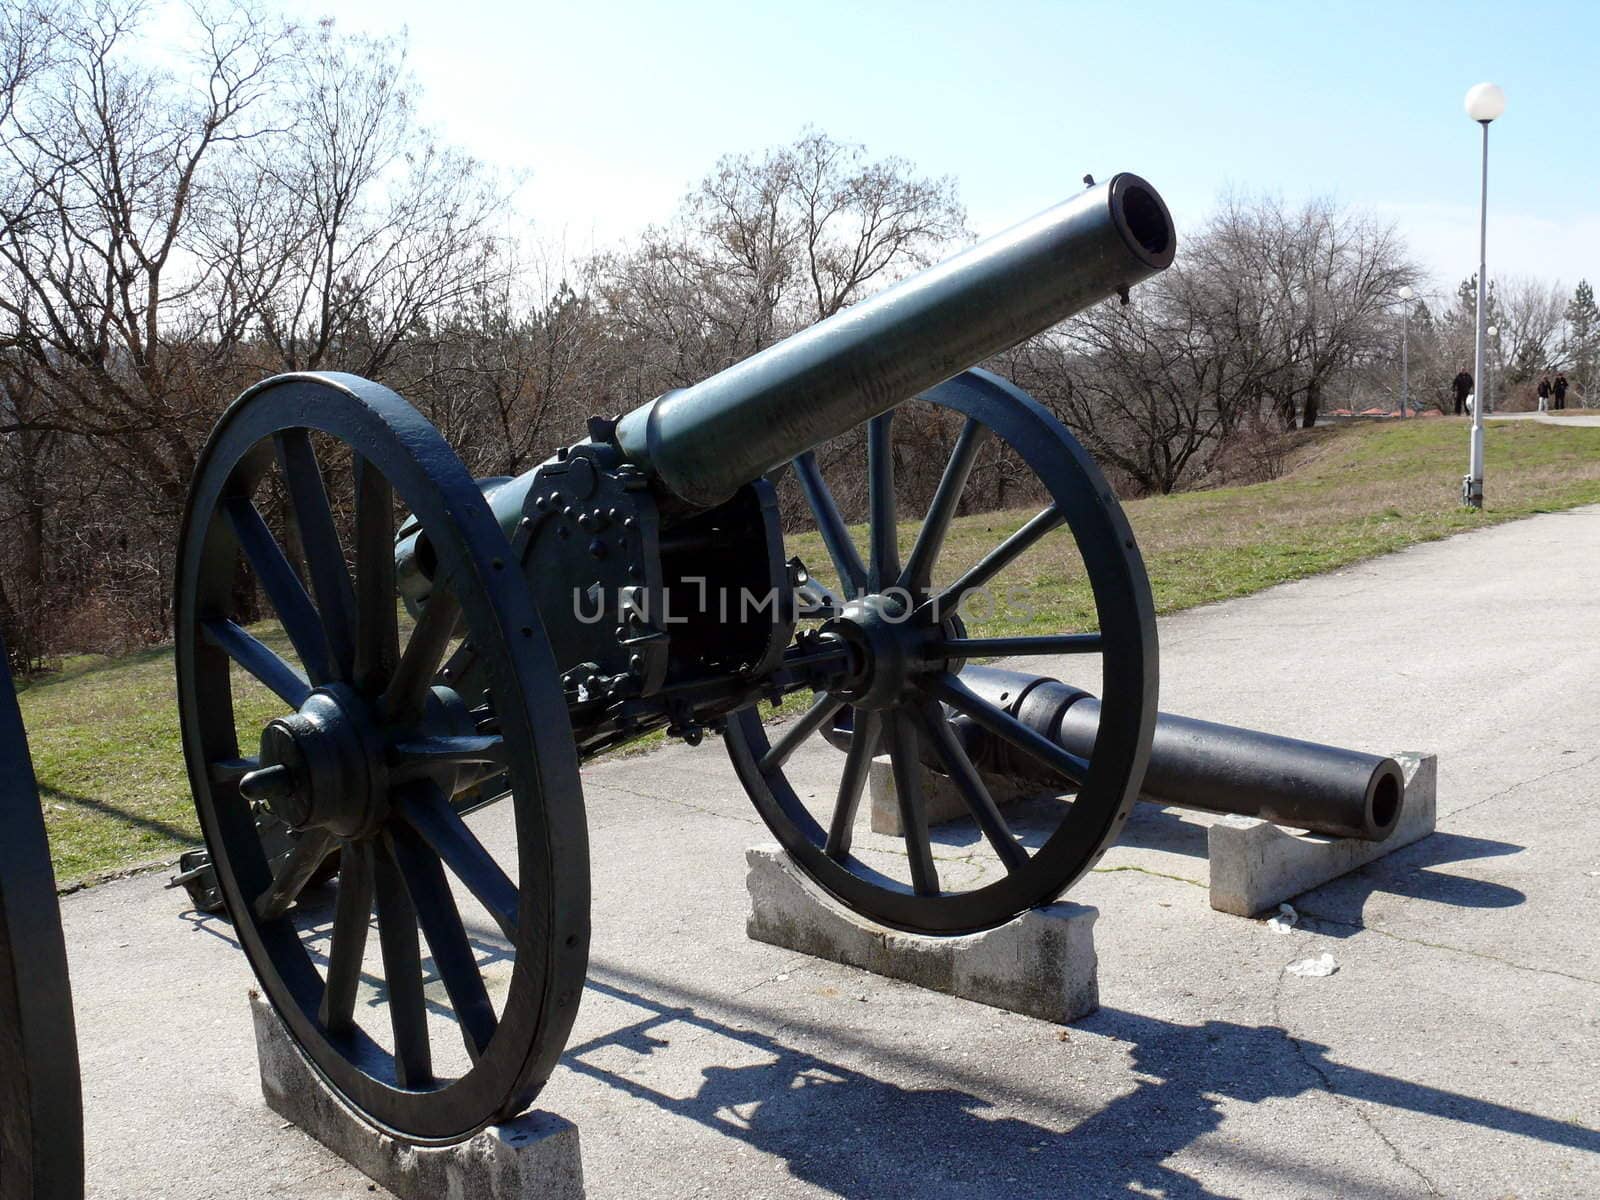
x=1455, y=1053
x=1580, y=418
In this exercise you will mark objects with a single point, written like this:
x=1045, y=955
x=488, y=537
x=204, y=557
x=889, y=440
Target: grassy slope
x=104, y=733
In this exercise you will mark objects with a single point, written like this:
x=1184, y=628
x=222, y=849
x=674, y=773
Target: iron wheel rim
x=1105, y=800
x=552, y=928
x=41, y=1106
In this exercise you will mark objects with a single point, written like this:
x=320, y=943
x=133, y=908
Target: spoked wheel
x=911, y=644
x=41, y=1114
x=433, y=1036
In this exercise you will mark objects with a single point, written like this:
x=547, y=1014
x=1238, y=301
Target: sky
x=610, y=111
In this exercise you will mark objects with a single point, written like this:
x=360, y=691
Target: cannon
x=1195, y=764
x=637, y=581
x=41, y=1114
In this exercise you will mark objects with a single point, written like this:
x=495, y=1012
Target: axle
x=1199, y=764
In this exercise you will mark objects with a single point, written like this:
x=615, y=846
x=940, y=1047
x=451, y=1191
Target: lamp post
x=1484, y=103
x=1405, y=353
x=1493, y=334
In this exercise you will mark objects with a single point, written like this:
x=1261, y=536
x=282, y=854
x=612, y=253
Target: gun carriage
x=587, y=603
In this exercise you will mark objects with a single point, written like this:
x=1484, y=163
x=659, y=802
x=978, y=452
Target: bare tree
x=396, y=229
x=1324, y=279
x=1136, y=383
x=166, y=240
x=99, y=295
x=766, y=245
x=1529, y=321
x=105, y=167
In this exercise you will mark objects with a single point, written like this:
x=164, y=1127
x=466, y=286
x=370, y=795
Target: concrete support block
x=1042, y=964
x=1255, y=866
x=535, y=1157
x=944, y=802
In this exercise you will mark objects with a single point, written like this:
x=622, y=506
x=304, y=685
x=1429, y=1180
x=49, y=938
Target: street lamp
x=1405, y=357
x=1493, y=334
x=1484, y=103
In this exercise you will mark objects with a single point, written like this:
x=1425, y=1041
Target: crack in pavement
x=658, y=798
x=1326, y=1081
x=1509, y=788
x=1307, y=914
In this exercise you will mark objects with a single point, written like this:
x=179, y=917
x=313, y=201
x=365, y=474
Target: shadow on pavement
x=1403, y=873
x=863, y=1137
x=1341, y=902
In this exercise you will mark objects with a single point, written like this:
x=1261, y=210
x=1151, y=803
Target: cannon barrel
x=705, y=442
x=1200, y=764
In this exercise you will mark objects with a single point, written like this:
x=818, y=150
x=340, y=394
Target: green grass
x=104, y=732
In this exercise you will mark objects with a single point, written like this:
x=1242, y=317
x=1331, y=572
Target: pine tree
x=1581, y=345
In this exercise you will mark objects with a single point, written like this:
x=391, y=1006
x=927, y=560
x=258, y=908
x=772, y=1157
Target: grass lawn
x=104, y=732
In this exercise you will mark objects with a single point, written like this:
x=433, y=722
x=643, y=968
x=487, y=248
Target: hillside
x=104, y=732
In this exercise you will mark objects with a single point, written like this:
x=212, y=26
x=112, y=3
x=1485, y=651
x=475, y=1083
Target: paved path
x=1455, y=1053
x=1582, y=418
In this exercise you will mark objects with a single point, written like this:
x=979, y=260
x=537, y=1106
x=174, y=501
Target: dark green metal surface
x=41, y=1110
x=705, y=441
x=367, y=755
x=911, y=682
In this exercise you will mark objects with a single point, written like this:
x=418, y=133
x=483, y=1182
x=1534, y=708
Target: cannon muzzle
x=706, y=441
x=1200, y=764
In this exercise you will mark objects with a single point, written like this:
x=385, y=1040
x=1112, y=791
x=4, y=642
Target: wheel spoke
x=283, y=588
x=949, y=600
x=930, y=538
x=835, y=536
x=258, y=661
x=402, y=971
x=866, y=730
x=377, y=627
x=972, y=788
x=414, y=758
x=908, y=769
x=1003, y=725
x=319, y=538
x=406, y=698
x=1060, y=643
x=880, y=503
x=447, y=939
x=291, y=877
x=352, y=916
x=429, y=813
x=821, y=710
x=231, y=770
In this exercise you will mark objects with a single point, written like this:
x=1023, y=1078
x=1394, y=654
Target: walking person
x=1462, y=386
x=1558, y=389
x=1544, y=394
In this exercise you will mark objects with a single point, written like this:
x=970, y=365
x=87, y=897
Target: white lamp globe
x=1492, y=331
x=1406, y=293
x=1485, y=102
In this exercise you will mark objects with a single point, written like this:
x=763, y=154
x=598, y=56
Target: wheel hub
x=892, y=648
x=323, y=766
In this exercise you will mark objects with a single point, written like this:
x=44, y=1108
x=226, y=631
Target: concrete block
x=943, y=801
x=535, y=1157
x=1256, y=866
x=1042, y=964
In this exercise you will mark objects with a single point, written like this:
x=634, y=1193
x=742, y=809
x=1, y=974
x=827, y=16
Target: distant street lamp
x=1484, y=103
x=1405, y=356
x=1493, y=334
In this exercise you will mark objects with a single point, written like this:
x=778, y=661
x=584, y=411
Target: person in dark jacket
x=1462, y=386
x=1558, y=389
x=1544, y=394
